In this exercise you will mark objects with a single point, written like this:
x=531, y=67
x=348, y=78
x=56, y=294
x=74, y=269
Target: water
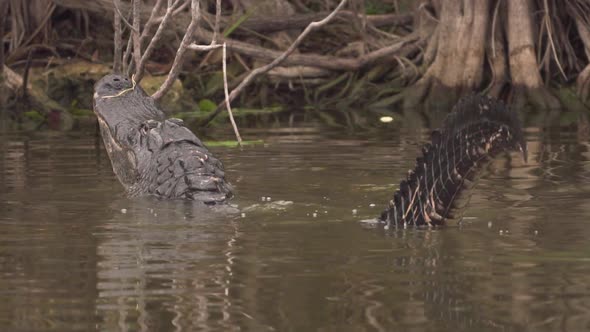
x=77, y=255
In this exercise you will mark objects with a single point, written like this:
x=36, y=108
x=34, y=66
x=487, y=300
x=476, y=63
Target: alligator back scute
x=478, y=128
x=181, y=166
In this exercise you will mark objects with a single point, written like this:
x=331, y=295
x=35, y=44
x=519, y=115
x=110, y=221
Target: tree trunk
x=458, y=62
x=526, y=79
x=496, y=52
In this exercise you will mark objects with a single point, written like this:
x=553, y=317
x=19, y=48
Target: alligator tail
x=478, y=129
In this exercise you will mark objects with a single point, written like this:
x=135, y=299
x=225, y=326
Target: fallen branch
x=319, y=61
x=36, y=97
x=274, y=24
x=276, y=61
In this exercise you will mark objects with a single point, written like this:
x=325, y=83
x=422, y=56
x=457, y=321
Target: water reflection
x=75, y=254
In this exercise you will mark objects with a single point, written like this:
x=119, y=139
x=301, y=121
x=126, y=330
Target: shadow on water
x=75, y=254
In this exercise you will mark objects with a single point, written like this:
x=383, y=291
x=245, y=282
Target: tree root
x=538, y=97
x=583, y=85
x=35, y=96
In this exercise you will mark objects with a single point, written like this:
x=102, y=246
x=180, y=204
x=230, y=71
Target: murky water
x=76, y=254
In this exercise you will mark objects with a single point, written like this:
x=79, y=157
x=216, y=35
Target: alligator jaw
x=122, y=158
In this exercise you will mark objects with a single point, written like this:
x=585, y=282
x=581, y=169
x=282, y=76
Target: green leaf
x=207, y=105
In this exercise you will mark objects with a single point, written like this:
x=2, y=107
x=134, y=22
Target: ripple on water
x=75, y=254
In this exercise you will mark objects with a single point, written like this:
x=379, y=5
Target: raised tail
x=478, y=129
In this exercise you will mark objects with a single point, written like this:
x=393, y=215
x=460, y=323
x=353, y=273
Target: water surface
x=77, y=255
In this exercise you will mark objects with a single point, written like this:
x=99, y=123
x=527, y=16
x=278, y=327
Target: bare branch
x=3, y=14
x=300, y=21
x=278, y=60
x=405, y=44
x=196, y=47
x=150, y=21
x=178, y=59
x=217, y=19
x=152, y=45
x=213, y=45
x=126, y=61
x=135, y=34
x=118, y=41
x=227, y=101
x=550, y=36
x=117, y=4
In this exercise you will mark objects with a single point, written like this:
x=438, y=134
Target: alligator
x=152, y=155
x=477, y=129
x=155, y=156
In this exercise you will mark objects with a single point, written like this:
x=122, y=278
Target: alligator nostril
x=116, y=79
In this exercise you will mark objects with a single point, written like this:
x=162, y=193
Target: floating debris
x=123, y=211
x=372, y=205
x=386, y=119
x=354, y=211
x=243, y=215
x=315, y=214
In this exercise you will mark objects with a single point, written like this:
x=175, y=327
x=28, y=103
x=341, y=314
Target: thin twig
x=178, y=59
x=3, y=14
x=213, y=45
x=26, y=74
x=217, y=19
x=549, y=34
x=227, y=101
x=116, y=4
x=147, y=27
x=260, y=70
x=50, y=8
x=152, y=45
x=118, y=42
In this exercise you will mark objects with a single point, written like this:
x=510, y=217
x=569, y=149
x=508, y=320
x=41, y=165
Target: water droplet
x=123, y=211
x=489, y=224
x=243, y=215
x=315, y=214
x=354, y=211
